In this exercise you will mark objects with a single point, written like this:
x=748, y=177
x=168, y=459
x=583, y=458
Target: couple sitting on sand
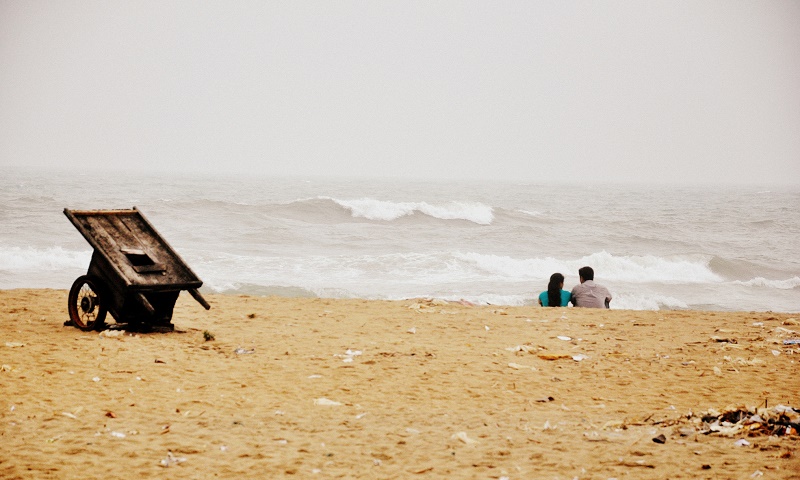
x=586, y=294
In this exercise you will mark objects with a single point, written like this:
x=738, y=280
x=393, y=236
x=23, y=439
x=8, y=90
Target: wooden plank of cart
x=134, y=273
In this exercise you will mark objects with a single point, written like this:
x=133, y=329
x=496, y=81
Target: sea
x=655, y=247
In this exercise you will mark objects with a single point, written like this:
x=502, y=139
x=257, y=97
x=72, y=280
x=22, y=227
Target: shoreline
x=299, y=387
x=299, y=293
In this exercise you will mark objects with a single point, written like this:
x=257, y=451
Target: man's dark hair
x=586, y=273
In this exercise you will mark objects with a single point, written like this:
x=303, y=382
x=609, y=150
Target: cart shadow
x=132, y=327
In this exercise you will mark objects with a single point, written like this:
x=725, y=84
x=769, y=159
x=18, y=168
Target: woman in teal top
x=555, y=295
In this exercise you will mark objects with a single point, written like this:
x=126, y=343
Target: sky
x=670, y=91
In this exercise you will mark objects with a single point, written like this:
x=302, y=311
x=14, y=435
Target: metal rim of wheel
x=86, y=305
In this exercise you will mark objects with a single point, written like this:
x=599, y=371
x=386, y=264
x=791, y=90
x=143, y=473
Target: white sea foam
x=649, y=268
x=479, y=278
x=53, y=267
x=18, y=259
x=606, y=266
x=632, y=301
x=787, y=284
x=373, y=209
x=504, y=266
x=319, y=272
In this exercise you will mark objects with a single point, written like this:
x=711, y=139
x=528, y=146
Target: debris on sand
x=778, y=421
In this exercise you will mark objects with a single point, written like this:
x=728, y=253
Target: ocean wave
x=631, y=301
x=480, y=278
x=633, y=269
x=787, y=284
x=353, y=272
x=732, y=268
x=503, y=266
x=262, y=290
x=448, y=267
x=384, y=210
x=651, y=268
x=326, y=209
x=26, y=259
x=323, y=209
x=530, y=213
x=626, y=301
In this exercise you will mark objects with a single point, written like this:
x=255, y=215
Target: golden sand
x=318, y=388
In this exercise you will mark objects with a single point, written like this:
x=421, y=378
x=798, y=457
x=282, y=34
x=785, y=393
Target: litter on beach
x=171, y=460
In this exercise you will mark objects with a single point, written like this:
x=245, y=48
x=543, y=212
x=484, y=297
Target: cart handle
x=199, y=298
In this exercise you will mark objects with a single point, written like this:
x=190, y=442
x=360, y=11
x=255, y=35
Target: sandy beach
x=317, y=388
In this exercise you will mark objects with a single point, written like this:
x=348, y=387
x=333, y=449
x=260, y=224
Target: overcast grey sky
x=630, y=91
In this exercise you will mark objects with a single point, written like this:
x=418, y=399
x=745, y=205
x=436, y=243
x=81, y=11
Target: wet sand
x=317, y=388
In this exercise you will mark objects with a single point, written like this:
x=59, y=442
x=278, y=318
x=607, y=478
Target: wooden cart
x=134, y=273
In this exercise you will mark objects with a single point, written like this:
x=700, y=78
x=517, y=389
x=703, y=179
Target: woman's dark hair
x=554, y=290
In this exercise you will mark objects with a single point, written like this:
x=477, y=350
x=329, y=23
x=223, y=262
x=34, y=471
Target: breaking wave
x=787, y=284
x=383, y=210
x=633, y=269
x=29, y=259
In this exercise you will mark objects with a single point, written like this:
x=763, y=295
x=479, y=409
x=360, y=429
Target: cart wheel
x=86, y=304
